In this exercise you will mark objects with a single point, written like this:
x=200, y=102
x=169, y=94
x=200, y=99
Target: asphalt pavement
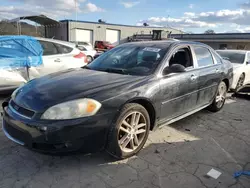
x=176, y=156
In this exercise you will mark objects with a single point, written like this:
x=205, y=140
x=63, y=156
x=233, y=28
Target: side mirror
x=248, y=62
x=175, y=68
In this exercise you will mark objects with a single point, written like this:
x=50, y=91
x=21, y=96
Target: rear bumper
x=86, y=134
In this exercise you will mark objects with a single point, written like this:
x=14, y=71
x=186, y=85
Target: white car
x=87, y=49
x=240, y=60
x=57, y=56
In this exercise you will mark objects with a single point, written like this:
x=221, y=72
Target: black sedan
x=116, y=100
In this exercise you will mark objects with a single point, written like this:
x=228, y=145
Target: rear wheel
x=130, y=132
x=240, y=82
x=220, y=98
x=89, y=59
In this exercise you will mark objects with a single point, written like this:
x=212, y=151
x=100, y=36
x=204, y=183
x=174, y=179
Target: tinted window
x=132, y=59
x=63, y=49
x=183, y=57
x=233, y=56
x=81, y=48
x=204, y=57
x=48, y=48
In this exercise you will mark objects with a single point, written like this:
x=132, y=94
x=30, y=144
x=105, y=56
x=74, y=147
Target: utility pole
x=75, y=18
x=76, y=8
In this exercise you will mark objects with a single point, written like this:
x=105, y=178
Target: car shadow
x=179, y=155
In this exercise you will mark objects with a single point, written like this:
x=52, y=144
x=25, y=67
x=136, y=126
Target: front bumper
x=85, y=134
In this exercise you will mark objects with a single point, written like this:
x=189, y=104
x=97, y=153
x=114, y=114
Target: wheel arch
x=148, y=105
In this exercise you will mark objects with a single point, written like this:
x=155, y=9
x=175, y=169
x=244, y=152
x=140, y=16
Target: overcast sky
x=189, y=15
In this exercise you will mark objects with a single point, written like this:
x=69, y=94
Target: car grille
x=20, y=110
x=22, y=136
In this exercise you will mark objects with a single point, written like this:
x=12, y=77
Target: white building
x=70, y=30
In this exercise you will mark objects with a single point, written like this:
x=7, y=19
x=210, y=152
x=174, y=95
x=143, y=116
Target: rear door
x=210, y=73
x=56, y=57
x=51, y=60
x=179, y=90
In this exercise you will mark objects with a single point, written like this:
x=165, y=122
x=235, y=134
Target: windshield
x=133, y=59
x=233, y=56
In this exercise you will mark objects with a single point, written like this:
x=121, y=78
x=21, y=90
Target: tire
x=117, y=144
x=240, y=82
x=219, y=99
x=89, y=59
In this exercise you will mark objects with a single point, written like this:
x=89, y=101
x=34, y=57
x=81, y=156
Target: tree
x=209, y=31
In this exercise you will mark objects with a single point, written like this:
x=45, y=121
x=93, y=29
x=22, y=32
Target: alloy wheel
x=132, y=131
x=240, y=81
x=221, y=95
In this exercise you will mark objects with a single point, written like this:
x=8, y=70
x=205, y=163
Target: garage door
x=113, y=36
x=84, y=35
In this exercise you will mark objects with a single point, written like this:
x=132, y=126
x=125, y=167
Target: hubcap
x=132, y=131
x=221, y=95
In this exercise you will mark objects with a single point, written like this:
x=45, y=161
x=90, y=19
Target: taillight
x=82, y=55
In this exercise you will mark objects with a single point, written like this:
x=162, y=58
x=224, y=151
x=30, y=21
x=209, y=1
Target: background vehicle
x=81, y=43
x=56, y=56
x=240, y=60
x=87, y=49
x=117, y=99
x=103, y=45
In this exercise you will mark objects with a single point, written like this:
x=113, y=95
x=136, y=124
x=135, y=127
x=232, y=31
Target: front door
x=179, y=90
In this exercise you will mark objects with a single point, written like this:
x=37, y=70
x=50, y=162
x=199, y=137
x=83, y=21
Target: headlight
x=72, y=109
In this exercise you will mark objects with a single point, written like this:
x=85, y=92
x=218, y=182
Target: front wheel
x=130, y=132
x=240, y=82
x=220, y=98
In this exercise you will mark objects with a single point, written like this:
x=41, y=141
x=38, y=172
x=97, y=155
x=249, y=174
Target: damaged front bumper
x=87, y=134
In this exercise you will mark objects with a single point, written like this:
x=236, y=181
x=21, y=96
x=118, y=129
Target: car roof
x=73, y=45
x=168, y=42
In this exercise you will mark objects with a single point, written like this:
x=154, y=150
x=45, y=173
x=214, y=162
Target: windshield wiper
x=114, y=70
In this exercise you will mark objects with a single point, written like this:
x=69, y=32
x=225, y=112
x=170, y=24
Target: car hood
x=44, y=92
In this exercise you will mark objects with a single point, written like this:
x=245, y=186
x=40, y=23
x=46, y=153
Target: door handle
x=57, y=60
x=193, y=77
x=217, y=70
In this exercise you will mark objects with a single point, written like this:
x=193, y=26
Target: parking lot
x=179, y=155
